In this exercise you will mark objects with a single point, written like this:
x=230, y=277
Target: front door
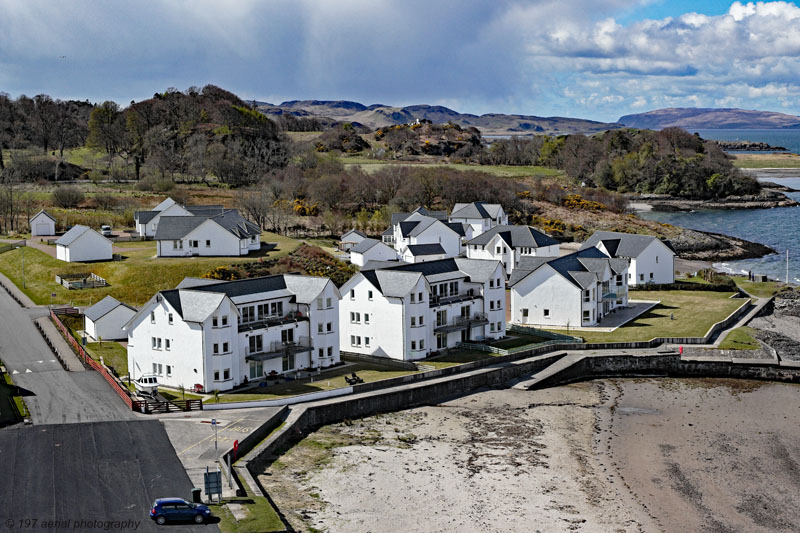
x=441, y=341
x=465, y=335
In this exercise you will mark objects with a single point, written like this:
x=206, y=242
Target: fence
x=87, y=280
x=89, y=361
x=158, y=406
x=7, y=247
x=10, y=293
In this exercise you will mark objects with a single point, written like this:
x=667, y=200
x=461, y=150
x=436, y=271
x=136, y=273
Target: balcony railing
x=273, y=320
x=615, y=293
x=454, y=298
x=277, y=349
x=462, y=322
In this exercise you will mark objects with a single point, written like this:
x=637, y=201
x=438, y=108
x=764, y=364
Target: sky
x=594, y=59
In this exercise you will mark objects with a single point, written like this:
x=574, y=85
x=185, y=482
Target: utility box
x=197, y=495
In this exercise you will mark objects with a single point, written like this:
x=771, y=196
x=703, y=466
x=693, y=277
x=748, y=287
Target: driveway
x=56, y=396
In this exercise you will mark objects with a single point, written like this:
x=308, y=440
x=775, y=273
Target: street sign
x=212, y=482
x=214, y=425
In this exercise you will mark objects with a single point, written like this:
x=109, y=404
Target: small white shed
x=104, y=320
x=42, y=223
x=82, y=243
x=371, y=250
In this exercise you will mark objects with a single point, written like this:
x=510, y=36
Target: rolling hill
x=690, y=118
x=379, y=115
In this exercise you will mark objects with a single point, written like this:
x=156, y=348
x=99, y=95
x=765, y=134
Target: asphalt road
x=57, y=396
x=105, y=471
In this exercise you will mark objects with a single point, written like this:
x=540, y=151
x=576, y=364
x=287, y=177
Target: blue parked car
x=177, y=509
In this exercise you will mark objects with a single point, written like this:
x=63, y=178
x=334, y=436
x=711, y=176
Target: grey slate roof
x=581, y=268
x=355, y=232
x=399, y=217
x=73, y=235
x=515, y=237
x=364, y=245
x=305, y=288
x=143, y=217
x=205, y=210
x=189, y=282
x=458, y=227
x=392, y=283
x=388, y=231
x=103, y=307
x=621, y=244
x=45, y=213
x=172, y=228
x=396, y=280
x=425, y=249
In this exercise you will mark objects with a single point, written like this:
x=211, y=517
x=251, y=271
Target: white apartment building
x=509, y=244
x=421, y=229
x=576, y=290
x=478, y=217
x=409, y=311
x=651, y=259
x=219, y=334
x=388, y=235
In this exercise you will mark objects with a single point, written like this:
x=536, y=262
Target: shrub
x=67, y=197
x=104, y=201
x=154, y=184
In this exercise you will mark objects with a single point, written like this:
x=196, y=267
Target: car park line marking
x=209, y=437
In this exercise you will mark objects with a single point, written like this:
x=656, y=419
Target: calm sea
x=789, y=139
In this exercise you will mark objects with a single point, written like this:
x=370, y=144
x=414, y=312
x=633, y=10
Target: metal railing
x=273, y=320
x=453, y=298
x=462, y=322
x=280, y=348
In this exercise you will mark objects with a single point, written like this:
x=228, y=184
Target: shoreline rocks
x=750, y=146
x=768, y=198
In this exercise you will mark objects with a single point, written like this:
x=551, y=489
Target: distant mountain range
x=690, y=118
x=379, y=115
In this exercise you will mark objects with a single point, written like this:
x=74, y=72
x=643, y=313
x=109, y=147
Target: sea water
x=786, y=138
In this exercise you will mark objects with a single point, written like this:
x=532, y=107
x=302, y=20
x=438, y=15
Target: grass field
x=261, y=516
x=680, y=314
x=328, y=380
x=767, y=161
x=133, y=280
x=517, y=340
x=503, y=171
x=759, y=289
x=740, y=339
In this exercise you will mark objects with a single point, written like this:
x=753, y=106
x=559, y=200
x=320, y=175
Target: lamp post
x=23, y=267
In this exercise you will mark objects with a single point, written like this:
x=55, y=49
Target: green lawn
x=457, y=357
x=740, y=339
x=261, y=516
x=694, y=313
x=171, y=395
x=777, y=162
x=759, y=289
x=328, y=380
x=113, y=354
x=503, y=171
x=133, y=280
x=517, y=340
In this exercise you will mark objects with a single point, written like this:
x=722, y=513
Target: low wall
x=372, y=359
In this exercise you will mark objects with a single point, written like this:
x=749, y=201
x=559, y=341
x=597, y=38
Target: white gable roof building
x=105, y=319
x=42, y=223
x=225, y=234
x=82, y=243
x=510, y=244
x=479, y=216
x=371, y=250
x=219, y=335
x=651, y=259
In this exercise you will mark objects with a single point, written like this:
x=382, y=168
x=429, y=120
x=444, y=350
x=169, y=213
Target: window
x=366, y=342
x=255, y=344
x=499, y=326
x=224, y=347
x=352, y=294
x=586, y=295
x=369, y=295
x=288, y=362
x=154, y=342
x=491, y=305
x=498, y=283
x=413, y=298
x=158, y=343
x=155, y=368
x=320, y=353
x=214, y=322
x=422, y=344
x=208, y=244
x=641, y=277
x=194, y=244
x=355, y=318
x=319, y=327
x=169, y=318
x=352, y=340
x=497, y=250
x=328, y=303
x=330, y=327
x=656, y=259
x=491, y=283
x=330, y=351
x=224, y=320
x=491, y=327
x=160, y=369
x=499, y=304
x=166, y=344
x=319, y=303
x=413, y=345
x=420, y=298
x=366, y=318
x=216, y=375
x=421, y=320
x=413, y=321
x=651, y=275
x=586, y=316
x=276, y=308
x=226, y=374
x=169, y=370
x=546, y=313
x=152, y=317
x=216, y=348
x=524, y=312
x=630, y=276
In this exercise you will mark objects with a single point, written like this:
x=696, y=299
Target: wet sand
x=608, y=455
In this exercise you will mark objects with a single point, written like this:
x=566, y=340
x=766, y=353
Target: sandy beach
x=609, y=455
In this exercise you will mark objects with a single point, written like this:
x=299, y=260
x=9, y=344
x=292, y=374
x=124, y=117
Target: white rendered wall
x=42, y=225
x=109, y=326
x=547, y=289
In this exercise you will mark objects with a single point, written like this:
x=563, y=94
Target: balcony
x=615, y=293
x=462, y=322
x=465, y=296
x=273, y=320
x=279, y=349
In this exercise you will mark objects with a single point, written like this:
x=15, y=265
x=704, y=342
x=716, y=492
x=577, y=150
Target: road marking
x=28, y=371
x=40, y=362
x=209, y=437
x=15, y=372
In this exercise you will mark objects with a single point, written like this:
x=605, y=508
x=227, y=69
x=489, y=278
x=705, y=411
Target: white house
x=419, y=253
x=409, y=311
x=422, y=229
x=578, y=289
x=388, y=235
x=82, y=243
x=226, y=234
x=371, y=250
x=350, y=239
x=219, y=335
x=105, y=319
x=651, y=259
x=509, y=244
x=147, y=221
x=478, y=216
x=42, y=223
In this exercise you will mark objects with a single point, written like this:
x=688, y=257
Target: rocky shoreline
x=706, y=246
x=768, y=198
x=750, y=146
